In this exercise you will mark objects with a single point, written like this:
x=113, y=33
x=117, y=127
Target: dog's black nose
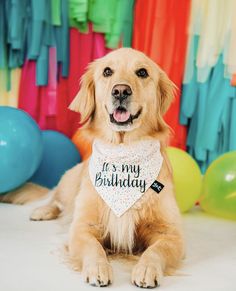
x=121, y=91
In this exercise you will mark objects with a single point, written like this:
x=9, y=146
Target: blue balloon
x=59, y=155
x=21, y=148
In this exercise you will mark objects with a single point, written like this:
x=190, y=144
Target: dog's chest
x=121, y=232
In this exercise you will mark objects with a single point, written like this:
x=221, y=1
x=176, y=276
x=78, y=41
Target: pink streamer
x=48, y=94
x=28, y=91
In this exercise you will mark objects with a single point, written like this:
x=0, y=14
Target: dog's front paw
x=98, y=274
x=147, y=275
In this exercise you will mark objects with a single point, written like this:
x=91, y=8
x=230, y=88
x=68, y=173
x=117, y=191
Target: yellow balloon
x=187, y=178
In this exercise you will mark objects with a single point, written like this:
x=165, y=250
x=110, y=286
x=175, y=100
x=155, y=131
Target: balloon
x=219, y=187
x=82, y=144
x=59, y=155
x=21, y=148
x=187, y=178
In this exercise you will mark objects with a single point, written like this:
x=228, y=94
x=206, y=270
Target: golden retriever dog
x=122, y=100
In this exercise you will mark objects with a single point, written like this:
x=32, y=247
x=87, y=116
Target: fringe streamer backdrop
x=46, y=45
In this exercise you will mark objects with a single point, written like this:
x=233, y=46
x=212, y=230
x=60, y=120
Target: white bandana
x=121, y=174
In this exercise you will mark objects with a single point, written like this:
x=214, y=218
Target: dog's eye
x=107, y=72
x=142, y=73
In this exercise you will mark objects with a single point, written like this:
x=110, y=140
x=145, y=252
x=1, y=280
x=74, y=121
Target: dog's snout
x=121, y=91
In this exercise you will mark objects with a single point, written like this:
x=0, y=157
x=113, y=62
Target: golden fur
x=152, y=227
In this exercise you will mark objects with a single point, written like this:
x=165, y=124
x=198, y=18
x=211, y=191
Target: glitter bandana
x=121, y=174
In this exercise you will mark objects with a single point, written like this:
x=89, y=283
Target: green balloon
x=219, y=187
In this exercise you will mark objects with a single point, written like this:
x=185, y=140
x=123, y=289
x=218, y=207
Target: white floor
x=30, y=258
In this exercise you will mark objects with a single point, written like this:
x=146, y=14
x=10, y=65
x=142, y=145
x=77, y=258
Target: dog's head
x=126, y=92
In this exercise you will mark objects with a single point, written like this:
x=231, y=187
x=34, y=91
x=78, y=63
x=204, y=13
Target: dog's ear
x=84, y=101
x=167, y=91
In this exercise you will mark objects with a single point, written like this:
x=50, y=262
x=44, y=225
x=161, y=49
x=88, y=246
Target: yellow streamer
x=10, y=98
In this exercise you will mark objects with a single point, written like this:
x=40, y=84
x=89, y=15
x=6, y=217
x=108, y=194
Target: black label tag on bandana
x=157, y=186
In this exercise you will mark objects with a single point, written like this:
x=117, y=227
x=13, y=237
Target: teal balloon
x=219, y=187
x=59, y=155
x=21, y=148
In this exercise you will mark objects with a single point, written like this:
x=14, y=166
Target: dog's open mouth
x=122, y=116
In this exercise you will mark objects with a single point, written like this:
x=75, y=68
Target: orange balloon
x=233, y=81
x=83, y=145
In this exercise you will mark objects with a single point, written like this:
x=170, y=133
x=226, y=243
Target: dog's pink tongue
x=121, y=116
